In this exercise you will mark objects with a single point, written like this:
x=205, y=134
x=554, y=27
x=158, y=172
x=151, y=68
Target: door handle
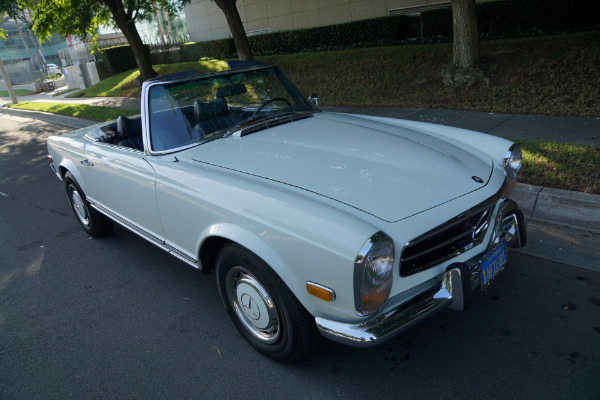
x=87, y=162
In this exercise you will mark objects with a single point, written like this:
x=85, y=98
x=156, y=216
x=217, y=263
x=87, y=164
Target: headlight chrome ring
x=373, y=273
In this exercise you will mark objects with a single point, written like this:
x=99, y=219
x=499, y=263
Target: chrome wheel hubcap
x=253, y=305
x=79, y=207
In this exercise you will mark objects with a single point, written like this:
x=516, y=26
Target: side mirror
x=314, y=99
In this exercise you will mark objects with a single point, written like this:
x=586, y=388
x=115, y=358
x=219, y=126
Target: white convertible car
x=317, y=224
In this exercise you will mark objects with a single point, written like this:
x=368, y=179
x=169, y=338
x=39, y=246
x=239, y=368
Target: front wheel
x=92, y=221
x=262, y=307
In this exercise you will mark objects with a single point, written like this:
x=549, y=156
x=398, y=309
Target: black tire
x=273, y=321
x=92, y=221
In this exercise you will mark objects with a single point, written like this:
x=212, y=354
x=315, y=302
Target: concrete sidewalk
x=576, y=130
x=562, y=207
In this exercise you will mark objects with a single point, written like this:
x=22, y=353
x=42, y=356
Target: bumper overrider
x=454, y=291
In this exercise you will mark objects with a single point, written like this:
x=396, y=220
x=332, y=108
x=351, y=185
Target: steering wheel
x=274, y=99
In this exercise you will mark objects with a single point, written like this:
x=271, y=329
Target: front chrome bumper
x=454, y=291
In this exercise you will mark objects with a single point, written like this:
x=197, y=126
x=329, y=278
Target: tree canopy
x=83, y=17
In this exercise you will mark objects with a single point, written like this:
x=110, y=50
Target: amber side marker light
x=320, y=291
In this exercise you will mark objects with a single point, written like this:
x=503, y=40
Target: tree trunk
x=464, y=69
x=464, y=23
x=162, y=34
x=237, y=28
x=166, y=22
x=38, y=58
x=127, y=25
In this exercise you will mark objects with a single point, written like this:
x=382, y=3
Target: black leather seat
x=213, y=116
x=129, y=133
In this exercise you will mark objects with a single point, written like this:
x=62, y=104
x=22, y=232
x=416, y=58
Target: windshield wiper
x=248, y=121
x=259, y=122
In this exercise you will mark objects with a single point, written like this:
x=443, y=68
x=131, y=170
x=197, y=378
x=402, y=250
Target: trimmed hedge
x=368, y=32
x=221, y=48
x=365, y=33
x=516, y=17
x=119, y=59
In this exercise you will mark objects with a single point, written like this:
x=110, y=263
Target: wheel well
x=62, y=171
x=209, y=250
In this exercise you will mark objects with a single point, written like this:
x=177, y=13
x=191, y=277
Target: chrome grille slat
x=440, y=245
x=448, y=240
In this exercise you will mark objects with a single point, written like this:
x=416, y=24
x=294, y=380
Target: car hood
x=389, y=171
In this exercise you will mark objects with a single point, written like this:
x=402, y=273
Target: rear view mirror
x=314, y=99
x=231, y=90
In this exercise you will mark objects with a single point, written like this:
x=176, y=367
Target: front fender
x=294, y=262
x=255, y=244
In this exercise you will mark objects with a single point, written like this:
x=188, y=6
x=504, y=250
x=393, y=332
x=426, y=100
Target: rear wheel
x=262, y=307
x=92, y=221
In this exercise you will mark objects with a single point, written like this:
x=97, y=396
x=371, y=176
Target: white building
x=206, y=21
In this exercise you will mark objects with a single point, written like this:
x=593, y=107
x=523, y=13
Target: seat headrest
x=127, y=128
x=205, y=111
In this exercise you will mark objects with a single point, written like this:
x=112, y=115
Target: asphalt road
x=116, y=318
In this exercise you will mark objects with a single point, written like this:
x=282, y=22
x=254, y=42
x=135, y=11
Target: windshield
x=195, y=111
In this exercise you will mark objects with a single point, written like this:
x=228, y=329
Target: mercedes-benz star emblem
x=250, y=307
x=477, y=179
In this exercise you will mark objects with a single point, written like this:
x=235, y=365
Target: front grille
x=446, y=241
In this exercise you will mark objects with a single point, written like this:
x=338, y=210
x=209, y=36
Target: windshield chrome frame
x=147, y=85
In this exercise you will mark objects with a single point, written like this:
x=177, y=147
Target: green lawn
x=561, y=165
x=551, y=75
x=95, y=113
x=18, y=92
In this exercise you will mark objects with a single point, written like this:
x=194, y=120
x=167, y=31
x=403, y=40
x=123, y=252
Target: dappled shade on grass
x=561, y=165
x=18, y=92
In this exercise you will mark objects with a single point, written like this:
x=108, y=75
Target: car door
x=122, y=183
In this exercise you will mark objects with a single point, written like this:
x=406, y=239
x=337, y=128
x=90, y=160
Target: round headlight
x=513, y=160
x=373, y=273
x=379, y=263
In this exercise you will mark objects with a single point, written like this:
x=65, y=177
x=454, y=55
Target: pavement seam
x=417, y=110
x=537, y=196
x=501, y=123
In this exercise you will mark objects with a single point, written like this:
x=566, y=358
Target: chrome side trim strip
x=145, y=234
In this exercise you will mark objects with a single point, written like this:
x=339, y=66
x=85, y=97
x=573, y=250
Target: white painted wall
x=206, y=21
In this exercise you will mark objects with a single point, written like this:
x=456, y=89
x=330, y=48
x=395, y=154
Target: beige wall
x=206, y=21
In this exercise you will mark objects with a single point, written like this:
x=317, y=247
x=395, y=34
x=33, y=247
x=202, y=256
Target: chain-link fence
x=24, y=72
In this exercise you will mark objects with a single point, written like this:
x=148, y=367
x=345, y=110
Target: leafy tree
x=464, y=69
x=236, y=27
x=82, y=18
x=11, y=8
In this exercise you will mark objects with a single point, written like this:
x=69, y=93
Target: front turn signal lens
x=320, y=291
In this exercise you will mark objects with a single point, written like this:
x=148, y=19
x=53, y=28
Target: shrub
x=221, y=48
x=119, y=59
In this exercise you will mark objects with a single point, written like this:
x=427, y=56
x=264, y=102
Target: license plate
x=493, y=265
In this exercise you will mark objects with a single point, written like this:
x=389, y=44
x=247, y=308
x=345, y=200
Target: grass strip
x=561, y=165
x=94, y=113
x=18, y=92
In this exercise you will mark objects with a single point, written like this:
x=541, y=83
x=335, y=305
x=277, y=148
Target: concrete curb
x=557, y=206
